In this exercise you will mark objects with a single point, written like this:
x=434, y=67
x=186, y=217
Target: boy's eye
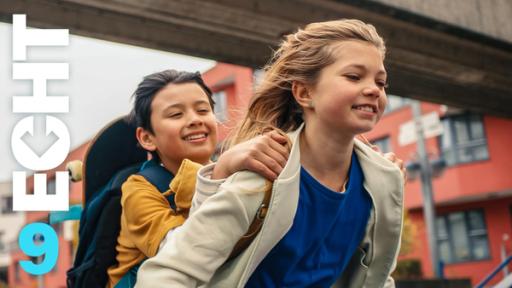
x=175, y=115
x=204, y=110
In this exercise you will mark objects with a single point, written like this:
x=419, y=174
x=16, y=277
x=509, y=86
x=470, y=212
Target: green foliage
x=408, y=269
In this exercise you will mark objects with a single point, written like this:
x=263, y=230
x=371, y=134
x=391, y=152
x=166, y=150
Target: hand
x=398, y=162
x=266, y=155
x=390, y=156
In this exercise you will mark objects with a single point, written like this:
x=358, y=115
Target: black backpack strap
x=159, y=177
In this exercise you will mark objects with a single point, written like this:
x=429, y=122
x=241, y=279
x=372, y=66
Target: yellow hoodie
x=147, y=217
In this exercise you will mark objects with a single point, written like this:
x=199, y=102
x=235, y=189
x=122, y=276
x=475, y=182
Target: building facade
x=10, y=223
x=472, y=194
x=66, y=232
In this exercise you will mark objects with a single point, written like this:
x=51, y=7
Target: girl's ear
x=301, y=94
x=145, y=139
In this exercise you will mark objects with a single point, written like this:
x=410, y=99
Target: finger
x=261, y=169
x=277, y=152
x=268, y=157
x=280, y=138
x=272, y=160
x=390, y=156
x=400, y=163
x=280, y=143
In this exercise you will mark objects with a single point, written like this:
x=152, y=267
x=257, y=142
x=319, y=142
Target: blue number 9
x=49, y=247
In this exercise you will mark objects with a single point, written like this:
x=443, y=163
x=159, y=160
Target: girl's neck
x=326, y=155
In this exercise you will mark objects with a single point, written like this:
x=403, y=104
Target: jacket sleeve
x=147, y=214
x=205, y=186
x=198, y=248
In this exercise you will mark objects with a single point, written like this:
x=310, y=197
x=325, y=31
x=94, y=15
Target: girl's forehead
x=357, y=54
x=355, y=47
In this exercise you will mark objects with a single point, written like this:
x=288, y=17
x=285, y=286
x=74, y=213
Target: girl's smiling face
x=350, y=93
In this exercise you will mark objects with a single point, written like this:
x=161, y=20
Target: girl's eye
x=203, y=110
x=353, y=77
x=382, y=84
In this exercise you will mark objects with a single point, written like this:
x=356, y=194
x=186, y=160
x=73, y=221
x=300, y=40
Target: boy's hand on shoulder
x=398, y=162
x=265, y=154
x=390, y=156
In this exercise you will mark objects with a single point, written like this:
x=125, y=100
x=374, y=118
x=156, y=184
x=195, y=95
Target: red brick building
x=57, y=277
x=473, y=196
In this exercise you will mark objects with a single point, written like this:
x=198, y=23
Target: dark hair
x=149, y=87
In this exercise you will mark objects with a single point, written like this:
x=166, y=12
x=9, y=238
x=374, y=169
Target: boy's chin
x=201, y=158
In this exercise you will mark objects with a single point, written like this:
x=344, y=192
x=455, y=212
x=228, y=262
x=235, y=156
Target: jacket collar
x=372, y=162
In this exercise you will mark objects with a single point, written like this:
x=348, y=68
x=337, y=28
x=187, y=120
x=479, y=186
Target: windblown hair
x=300, y=57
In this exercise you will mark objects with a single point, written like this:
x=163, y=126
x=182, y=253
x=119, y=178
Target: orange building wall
x=237, y=82
x=57, y=277
x=497, y=226
x=457, y=189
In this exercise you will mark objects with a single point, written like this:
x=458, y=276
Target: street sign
x=432, y=127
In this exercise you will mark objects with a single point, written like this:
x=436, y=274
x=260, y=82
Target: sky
x=102, y=78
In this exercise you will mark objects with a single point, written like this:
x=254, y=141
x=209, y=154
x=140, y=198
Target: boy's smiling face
x=183, y=123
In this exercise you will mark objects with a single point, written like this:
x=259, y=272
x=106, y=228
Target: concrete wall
x=490, y=17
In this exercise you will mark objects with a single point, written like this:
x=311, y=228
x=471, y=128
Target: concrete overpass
x=465, y=63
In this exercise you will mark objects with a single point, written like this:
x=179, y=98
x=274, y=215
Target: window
x=462, y=236
x=396, y=102
x=51, y=187
x=463, y=139
x=17, y=276
x=3, y=247
x=221, y=105
x=383, y=144
x=257, y=76
x=6, y=205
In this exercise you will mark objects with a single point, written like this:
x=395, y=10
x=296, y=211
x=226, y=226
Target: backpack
x=100, y=226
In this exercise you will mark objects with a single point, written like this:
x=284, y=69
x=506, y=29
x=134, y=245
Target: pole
x=426, y=185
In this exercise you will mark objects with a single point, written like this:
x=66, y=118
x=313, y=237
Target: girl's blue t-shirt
x=327, y=228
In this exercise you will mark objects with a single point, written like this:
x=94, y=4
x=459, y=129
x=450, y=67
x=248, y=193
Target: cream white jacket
x=194, y=254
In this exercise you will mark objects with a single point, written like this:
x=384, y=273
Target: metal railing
x=493, y=273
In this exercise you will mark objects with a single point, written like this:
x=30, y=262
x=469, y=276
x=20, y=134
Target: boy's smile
x=198, y=137
x=184, y=125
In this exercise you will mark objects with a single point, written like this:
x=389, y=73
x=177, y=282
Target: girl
x=335, y=217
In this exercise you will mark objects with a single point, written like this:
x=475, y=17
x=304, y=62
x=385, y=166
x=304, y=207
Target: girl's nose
x=372, y=90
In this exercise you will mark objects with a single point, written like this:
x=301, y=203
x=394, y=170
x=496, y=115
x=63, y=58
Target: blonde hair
x=300, y=57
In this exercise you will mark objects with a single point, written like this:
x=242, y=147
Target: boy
x=173, y=112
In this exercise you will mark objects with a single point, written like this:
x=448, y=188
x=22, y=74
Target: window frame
x=469, y=236
x=404, y=102
x=382, y=139
x=221, y=105
x=6, y=207
x=455, y=145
